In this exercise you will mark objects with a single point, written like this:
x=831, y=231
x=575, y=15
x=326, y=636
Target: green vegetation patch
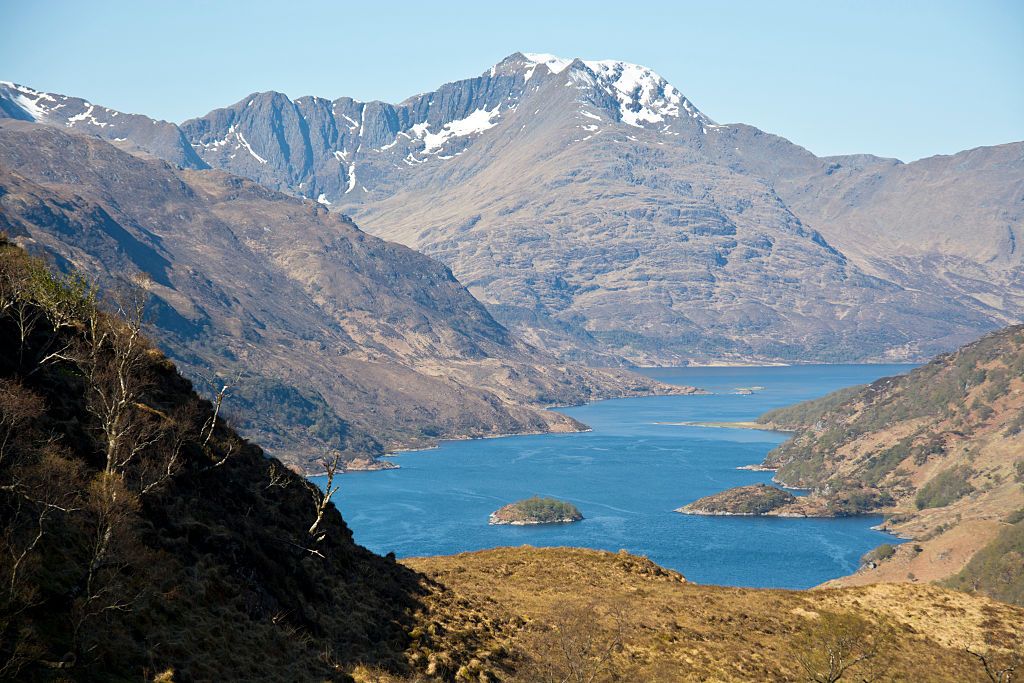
x=879, y=554
x=543, y=510
x=744, y=500
x=997, y=570
x=945, y=488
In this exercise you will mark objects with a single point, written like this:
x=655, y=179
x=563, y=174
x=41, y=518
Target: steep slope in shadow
x=164, y=540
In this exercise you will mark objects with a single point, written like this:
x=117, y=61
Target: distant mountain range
x=599, y=214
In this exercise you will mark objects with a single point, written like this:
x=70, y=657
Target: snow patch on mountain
x=477, y=122
x=644, y=96
x=240, y=142
x=245, y=143
x=351, y=178
x=30, y=101
x=86, y=115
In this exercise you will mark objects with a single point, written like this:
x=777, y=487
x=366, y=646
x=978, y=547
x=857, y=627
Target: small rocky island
x=536, y=510
x=759, y=499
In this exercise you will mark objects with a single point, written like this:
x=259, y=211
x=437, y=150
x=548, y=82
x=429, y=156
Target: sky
x=898, y=78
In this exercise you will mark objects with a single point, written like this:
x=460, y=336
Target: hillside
x=601, y=215
x=940, y=450
x=144, y=539
x=614, y=616
x=141, y=534
x=326, y=336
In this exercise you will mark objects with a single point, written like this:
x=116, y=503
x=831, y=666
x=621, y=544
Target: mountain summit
x=343, y=150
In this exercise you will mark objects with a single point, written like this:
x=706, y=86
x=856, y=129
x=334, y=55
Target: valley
x=325, y=337
x=182, y=577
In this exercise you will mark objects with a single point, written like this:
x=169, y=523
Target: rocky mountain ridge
x=598, y=213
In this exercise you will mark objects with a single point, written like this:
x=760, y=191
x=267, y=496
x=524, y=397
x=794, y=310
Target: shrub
x=945, y=488
x=882, y=552
x=858, y=501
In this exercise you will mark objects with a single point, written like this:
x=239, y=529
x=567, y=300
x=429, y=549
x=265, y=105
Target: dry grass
x=674, y=630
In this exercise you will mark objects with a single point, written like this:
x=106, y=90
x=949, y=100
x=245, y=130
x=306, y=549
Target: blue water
x=626, y=477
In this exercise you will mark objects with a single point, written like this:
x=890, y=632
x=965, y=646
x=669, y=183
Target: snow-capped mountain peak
x=643, y=95
x=159, y=138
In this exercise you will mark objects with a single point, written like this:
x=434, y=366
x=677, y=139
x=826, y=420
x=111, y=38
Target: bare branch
x=322, y=499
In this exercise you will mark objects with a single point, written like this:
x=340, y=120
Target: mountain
x=133, y=132
x=341, y=340
x=949, y=226
x=161, y=546
x=598, y=213
x=940, y=450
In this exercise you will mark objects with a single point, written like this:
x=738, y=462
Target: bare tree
x=998, y=670
x=114, y=359
x=321, y=499
x=277, y=476
x=18, y=407
x=218, y=401
x=839, y=644
x=578, y=646
x=141, y=450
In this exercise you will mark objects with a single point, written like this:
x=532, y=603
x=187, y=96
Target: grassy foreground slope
x=140, y=535
x=940, y=450
x=634, y=621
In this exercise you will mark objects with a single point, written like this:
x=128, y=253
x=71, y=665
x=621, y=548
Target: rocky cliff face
x=337, y=338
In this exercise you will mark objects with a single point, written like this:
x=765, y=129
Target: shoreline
x=741, y=424
x=684, y=390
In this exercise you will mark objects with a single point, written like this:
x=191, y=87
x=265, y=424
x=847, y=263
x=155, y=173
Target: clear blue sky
x=895, y=78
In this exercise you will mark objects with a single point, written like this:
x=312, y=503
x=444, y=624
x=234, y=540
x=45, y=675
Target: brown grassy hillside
x=659, y=627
